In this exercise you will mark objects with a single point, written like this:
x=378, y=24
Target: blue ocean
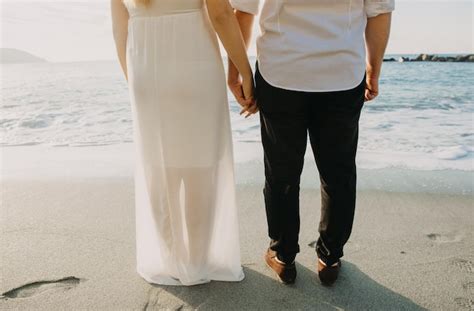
x=423, y=119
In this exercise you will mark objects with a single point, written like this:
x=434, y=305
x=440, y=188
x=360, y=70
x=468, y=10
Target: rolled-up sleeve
x=376, y=7
x=247, y=6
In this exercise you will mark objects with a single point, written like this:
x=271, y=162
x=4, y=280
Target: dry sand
x=68, y=244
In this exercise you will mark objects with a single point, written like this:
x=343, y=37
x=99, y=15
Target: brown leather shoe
x=286, y=272
x=328, y=275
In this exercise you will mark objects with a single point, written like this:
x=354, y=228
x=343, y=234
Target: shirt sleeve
x=376, y=7
x=247, y=6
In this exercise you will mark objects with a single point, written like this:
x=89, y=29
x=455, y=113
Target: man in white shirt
x=318, y=61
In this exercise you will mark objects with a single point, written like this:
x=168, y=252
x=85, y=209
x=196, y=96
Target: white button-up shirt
x=313, y=45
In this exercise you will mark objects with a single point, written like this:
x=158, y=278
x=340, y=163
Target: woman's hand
x=248, y=89
x=227, y=28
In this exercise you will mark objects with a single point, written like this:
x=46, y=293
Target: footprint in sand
x=445, y=238
x=36, y=288
x=464, y=265
x=469, y=286
x=163, y=300
x=465, y=303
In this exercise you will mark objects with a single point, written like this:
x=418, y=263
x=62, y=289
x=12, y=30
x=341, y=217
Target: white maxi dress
x=186, y=217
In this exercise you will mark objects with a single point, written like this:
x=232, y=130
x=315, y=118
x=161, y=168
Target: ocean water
x=423, y=119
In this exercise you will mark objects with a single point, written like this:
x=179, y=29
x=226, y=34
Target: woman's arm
x=227, y=27
x=120, y=29
x=234, y=82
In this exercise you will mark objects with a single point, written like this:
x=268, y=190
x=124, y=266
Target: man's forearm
x=377, y=33
x=246, y=23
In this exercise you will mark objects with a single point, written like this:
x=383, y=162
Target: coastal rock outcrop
x=467, y=58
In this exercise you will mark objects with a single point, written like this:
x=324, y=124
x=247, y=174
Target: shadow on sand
x=353, y=291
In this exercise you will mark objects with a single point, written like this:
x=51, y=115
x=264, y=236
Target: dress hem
x=167, y=280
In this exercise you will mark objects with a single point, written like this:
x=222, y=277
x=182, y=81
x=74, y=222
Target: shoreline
x=117, y=161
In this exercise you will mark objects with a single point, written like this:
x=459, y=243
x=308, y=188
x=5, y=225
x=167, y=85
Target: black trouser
x=332, y=121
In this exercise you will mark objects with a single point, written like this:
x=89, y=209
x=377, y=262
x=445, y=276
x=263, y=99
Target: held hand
x=371, y=88
x=239, y=91
x=235, y=86
x=242, y=90
x=248, y=89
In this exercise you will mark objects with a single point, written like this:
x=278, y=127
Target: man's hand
x=371, y=88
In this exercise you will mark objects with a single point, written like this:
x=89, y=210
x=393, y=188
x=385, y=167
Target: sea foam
x=421, y=120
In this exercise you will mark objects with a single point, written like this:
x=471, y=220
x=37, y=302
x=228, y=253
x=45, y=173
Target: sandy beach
x=68, y=244
x=67, y=133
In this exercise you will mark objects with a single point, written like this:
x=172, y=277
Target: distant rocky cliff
x=14, y=56
x=468, y=58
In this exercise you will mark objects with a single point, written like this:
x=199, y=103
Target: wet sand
x=69, y=244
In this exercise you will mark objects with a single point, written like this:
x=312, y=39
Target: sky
x=80, y=30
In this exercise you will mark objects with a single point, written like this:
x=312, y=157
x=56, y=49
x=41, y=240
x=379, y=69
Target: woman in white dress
x=186, y=218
